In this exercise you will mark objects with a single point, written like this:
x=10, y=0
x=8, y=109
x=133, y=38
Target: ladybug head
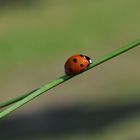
x=89, y=59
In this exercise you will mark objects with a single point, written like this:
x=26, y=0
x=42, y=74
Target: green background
x=37, y=37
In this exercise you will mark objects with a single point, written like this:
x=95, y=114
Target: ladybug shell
x=77, y=64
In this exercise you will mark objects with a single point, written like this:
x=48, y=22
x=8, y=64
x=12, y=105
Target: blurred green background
x=36, y=38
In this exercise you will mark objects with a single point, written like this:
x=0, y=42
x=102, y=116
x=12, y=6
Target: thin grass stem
x=64, y=78
x=14, y=100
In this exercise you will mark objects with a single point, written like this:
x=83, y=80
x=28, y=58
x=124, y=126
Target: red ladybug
x=77, y=64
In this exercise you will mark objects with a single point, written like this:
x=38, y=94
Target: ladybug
x=77, y=64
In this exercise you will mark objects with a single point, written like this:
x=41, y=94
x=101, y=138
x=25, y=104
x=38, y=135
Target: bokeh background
x=36, y=38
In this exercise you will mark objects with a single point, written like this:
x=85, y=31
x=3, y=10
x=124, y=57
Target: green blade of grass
x=64, y=78
x=121, y=50
x=11, y=101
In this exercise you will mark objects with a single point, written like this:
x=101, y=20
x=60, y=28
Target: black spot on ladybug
x=81, y=55
x=75, y=60
x=70, y=70
x=81, y=65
